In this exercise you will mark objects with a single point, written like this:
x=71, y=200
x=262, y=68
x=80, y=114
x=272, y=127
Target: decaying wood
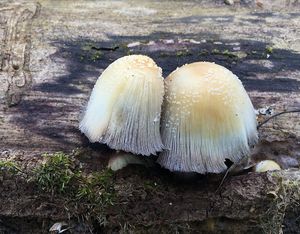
x=51, y=53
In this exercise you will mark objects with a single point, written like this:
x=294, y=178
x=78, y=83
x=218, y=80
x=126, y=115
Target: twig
x=273, y=116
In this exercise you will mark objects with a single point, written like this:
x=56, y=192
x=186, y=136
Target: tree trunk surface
x=51, y=54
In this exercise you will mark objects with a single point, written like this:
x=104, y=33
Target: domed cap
x=207, y=118
x=125, y=105
x=266, y=165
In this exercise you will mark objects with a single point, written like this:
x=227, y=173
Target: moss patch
x=286, y=196
x=9, y=167
x=82, y=196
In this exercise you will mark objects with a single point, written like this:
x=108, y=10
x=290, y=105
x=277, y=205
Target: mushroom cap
x=267, y=165
x=125, y=105
x=207, y=118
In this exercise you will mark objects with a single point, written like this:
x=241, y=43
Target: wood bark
x=52, y=52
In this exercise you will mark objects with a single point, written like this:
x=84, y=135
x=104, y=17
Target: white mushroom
x=266, y=165
x=120, y=160
x=207, y=118
x=125, y=105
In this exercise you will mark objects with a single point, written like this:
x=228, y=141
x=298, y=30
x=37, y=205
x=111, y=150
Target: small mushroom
x=58, y=227
x=122, y=159
x=266, y=165
x=207, y=119
x=125, y=105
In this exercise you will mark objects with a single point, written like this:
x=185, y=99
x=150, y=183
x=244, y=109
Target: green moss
x=284, y=194
x=97, y=188
x=215, y=51
x=204, y=52
x=150, y=185
x=82, y=57
x=9, y=166
x=256, y=54
x=60, y=175
x=85, y=196
x=226, y=53
x=87, y=46
x=182, y=53
x=96, y=56
x=129, y=52
x=269, y=49
x=57, y=174
x=229, y=54
x=90, y=51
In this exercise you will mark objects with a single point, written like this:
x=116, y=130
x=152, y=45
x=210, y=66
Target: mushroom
x=207, y=119
x=121, y=159
x=125, y=105
x=266, y=165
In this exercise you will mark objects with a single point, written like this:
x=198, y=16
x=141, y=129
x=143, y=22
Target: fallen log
x=51, y=55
